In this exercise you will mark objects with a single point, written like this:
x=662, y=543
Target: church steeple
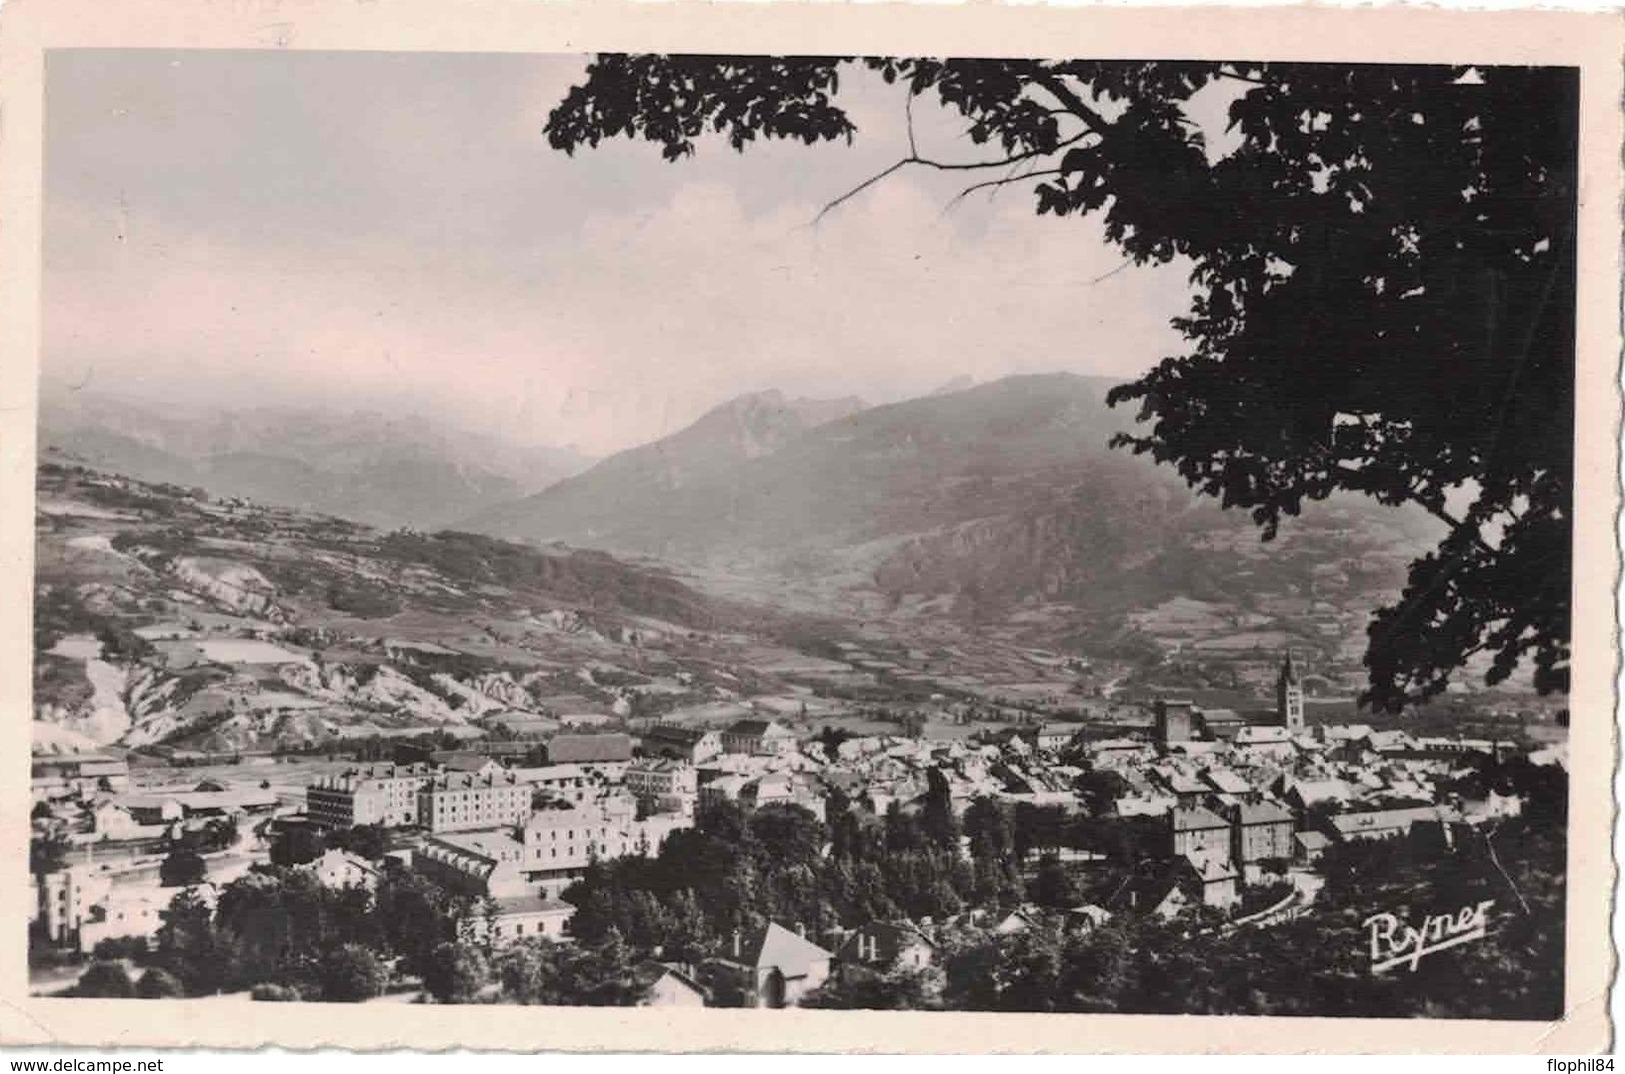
x=1289, y=695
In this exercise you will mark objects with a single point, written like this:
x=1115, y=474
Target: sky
x=392, y=232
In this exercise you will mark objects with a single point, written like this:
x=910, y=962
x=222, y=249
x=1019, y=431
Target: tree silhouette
x=105, y=980
x=352, y=974
x=182, y=867
x=1383, y=279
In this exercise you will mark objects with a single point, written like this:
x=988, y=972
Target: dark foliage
x=352, y=974
x=159, y=984
x=182, y=867
x=48, y=852
x=539, y=971
x=105, y=980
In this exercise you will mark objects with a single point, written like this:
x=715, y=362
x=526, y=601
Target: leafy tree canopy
x=1383, y=283
x=105, y=980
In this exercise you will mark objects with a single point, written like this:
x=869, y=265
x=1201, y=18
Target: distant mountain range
x=991, y=494
x=1010, y=480
x=973, y=501
x=384, y=471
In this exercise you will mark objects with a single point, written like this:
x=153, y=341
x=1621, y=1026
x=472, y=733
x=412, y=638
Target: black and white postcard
x=1028, y=521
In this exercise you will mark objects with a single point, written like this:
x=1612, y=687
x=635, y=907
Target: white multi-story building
x=663, y=785
x=384, y=794
x=466, y=801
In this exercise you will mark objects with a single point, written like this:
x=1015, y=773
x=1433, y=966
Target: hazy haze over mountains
x=996, y=493
x=381, y=469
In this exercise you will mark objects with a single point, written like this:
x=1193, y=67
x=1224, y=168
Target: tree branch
x=944, y=166
x=1004, y=181
x=1070, y=100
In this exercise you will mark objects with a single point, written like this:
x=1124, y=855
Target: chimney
x=736, y=943
x=801, y=929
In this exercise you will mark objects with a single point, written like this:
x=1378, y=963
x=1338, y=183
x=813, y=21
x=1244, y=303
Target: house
x=1219, y=882
x=774, y=967
x=111, y=820
x=519, y=917
x=126, y=913
x=1261, y=831
x=726, y=788
x=1086, y=918
x=1390, y=742
x=696, y=745
x=1302, y=794
x=1221, y=724
x=665, y=985
x=1116, y=752
x=1225, y=781
x=1196, y=832
x=758, y=738
x=341, y=869
x=1019, y=920
x=1309, y=846
x=781, y=788
x=1333, y=734
x=1263, y=736
x=1154, y=892
x=1384, y=823
x=1185, y=787
x=150, y=810
x=663, y=784
x=883, y=945
x=1053, y=737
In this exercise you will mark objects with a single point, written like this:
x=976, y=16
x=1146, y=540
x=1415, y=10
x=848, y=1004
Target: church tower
x=1289, y=695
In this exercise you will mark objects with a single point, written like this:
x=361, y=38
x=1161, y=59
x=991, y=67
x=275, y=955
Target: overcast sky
x=391, y=231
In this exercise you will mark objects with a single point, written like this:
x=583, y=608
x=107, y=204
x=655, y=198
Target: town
x=1205, y=819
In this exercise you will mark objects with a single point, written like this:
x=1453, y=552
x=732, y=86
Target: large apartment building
x=383, y=794
x=559, y=844
x=664, y=785
x=464, y=801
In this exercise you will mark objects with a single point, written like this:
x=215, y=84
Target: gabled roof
x=650, y=973
x=1386, y=819
x=1195, y=818
x=1210, y=870
x=776, y=947
x=1322, y=790
x=1263, y=813
x=1227, y=781
x=890, y=938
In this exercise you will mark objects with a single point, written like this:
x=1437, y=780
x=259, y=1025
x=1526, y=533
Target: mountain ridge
x=371, y=467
